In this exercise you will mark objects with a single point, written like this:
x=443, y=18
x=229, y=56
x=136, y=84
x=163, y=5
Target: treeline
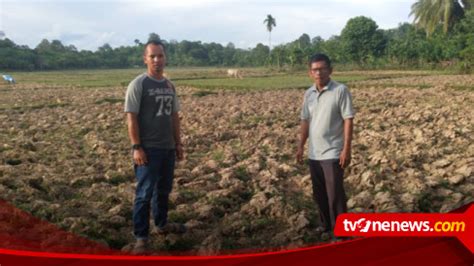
x=361, y=44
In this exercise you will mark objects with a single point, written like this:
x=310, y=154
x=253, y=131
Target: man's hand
x=139, y=157
x=299, y=155
x=304, y=131
x=345, y=158
x=179, y=152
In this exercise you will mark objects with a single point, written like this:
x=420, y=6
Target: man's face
x=154, y=58
x=320, y=72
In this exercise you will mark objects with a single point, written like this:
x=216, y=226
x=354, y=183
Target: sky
x=89, y=24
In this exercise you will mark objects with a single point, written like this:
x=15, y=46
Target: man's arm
x=345, y=157
x=139, y=156
x=304, y=132
x=177, y=136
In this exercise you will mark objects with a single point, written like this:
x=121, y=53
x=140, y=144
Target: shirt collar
x=327, y=87
x=154, y=79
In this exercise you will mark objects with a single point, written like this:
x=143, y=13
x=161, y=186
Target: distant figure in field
x=9, y=79
x=234, y=73
x=327, y=120
x=152, y=109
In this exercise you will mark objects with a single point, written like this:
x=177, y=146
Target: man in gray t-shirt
x=154, y=101
x=327, y=120
x=153, y=122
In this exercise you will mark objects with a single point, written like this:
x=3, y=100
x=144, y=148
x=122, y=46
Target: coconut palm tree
x=430, y=13
x=270, y=23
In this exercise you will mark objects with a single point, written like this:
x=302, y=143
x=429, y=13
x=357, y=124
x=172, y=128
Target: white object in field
x=9, y=79
x=234, y=73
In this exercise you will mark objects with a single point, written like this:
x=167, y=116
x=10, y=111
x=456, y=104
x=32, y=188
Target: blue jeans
x=154, y=184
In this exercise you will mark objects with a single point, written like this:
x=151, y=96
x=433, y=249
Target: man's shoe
x=173, y=228
x=140, y=247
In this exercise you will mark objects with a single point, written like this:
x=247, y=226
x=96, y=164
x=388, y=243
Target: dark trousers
x=154, y=184
x=328, y=190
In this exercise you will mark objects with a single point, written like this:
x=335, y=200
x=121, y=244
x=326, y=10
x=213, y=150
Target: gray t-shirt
x=154, y=101
x=325, y=111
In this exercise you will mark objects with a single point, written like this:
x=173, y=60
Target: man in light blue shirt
x=327, y=120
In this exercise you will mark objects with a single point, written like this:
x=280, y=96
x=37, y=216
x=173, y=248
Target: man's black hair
x=154, y=42
x=320, y=57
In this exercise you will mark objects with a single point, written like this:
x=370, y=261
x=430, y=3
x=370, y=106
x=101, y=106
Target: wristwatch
x=136, y=146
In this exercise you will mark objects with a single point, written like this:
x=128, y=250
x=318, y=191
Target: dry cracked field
x=65, y=157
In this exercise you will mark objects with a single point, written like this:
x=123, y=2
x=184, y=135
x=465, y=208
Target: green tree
x=216, y=53
x=270, y=22
x=259, y=55
x=15, y=57
x=428, y=14
x=296, y=57
x=153, y=36
x=57, y=46
x=43, y=46
x=404, y=44
x=106, y=48
x=465, y=37
x=279, y=55
x=362, y=40
x=304, y=41
x=228, y=54
x=316, y=44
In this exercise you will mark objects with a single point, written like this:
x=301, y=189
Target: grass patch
x=189, y=195
x=179, y=217
x=118, y=178
x=226, y=203
x=400, y=85
x=218, y=156
x=286, y=81
x=80, y=78
x=211, y=78
x=425, y=202
x=241, y=173
x=95, y=78
x=469, y=88
x=261, y=223
x=203, y=93
x=109, y=100
x=207, y=79
x=239, y=151
x=9, y=183
x=36, y=107
x=299, y=201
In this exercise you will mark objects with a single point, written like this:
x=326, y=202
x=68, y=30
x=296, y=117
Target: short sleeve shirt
x=325, y=111
x=154, y=101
